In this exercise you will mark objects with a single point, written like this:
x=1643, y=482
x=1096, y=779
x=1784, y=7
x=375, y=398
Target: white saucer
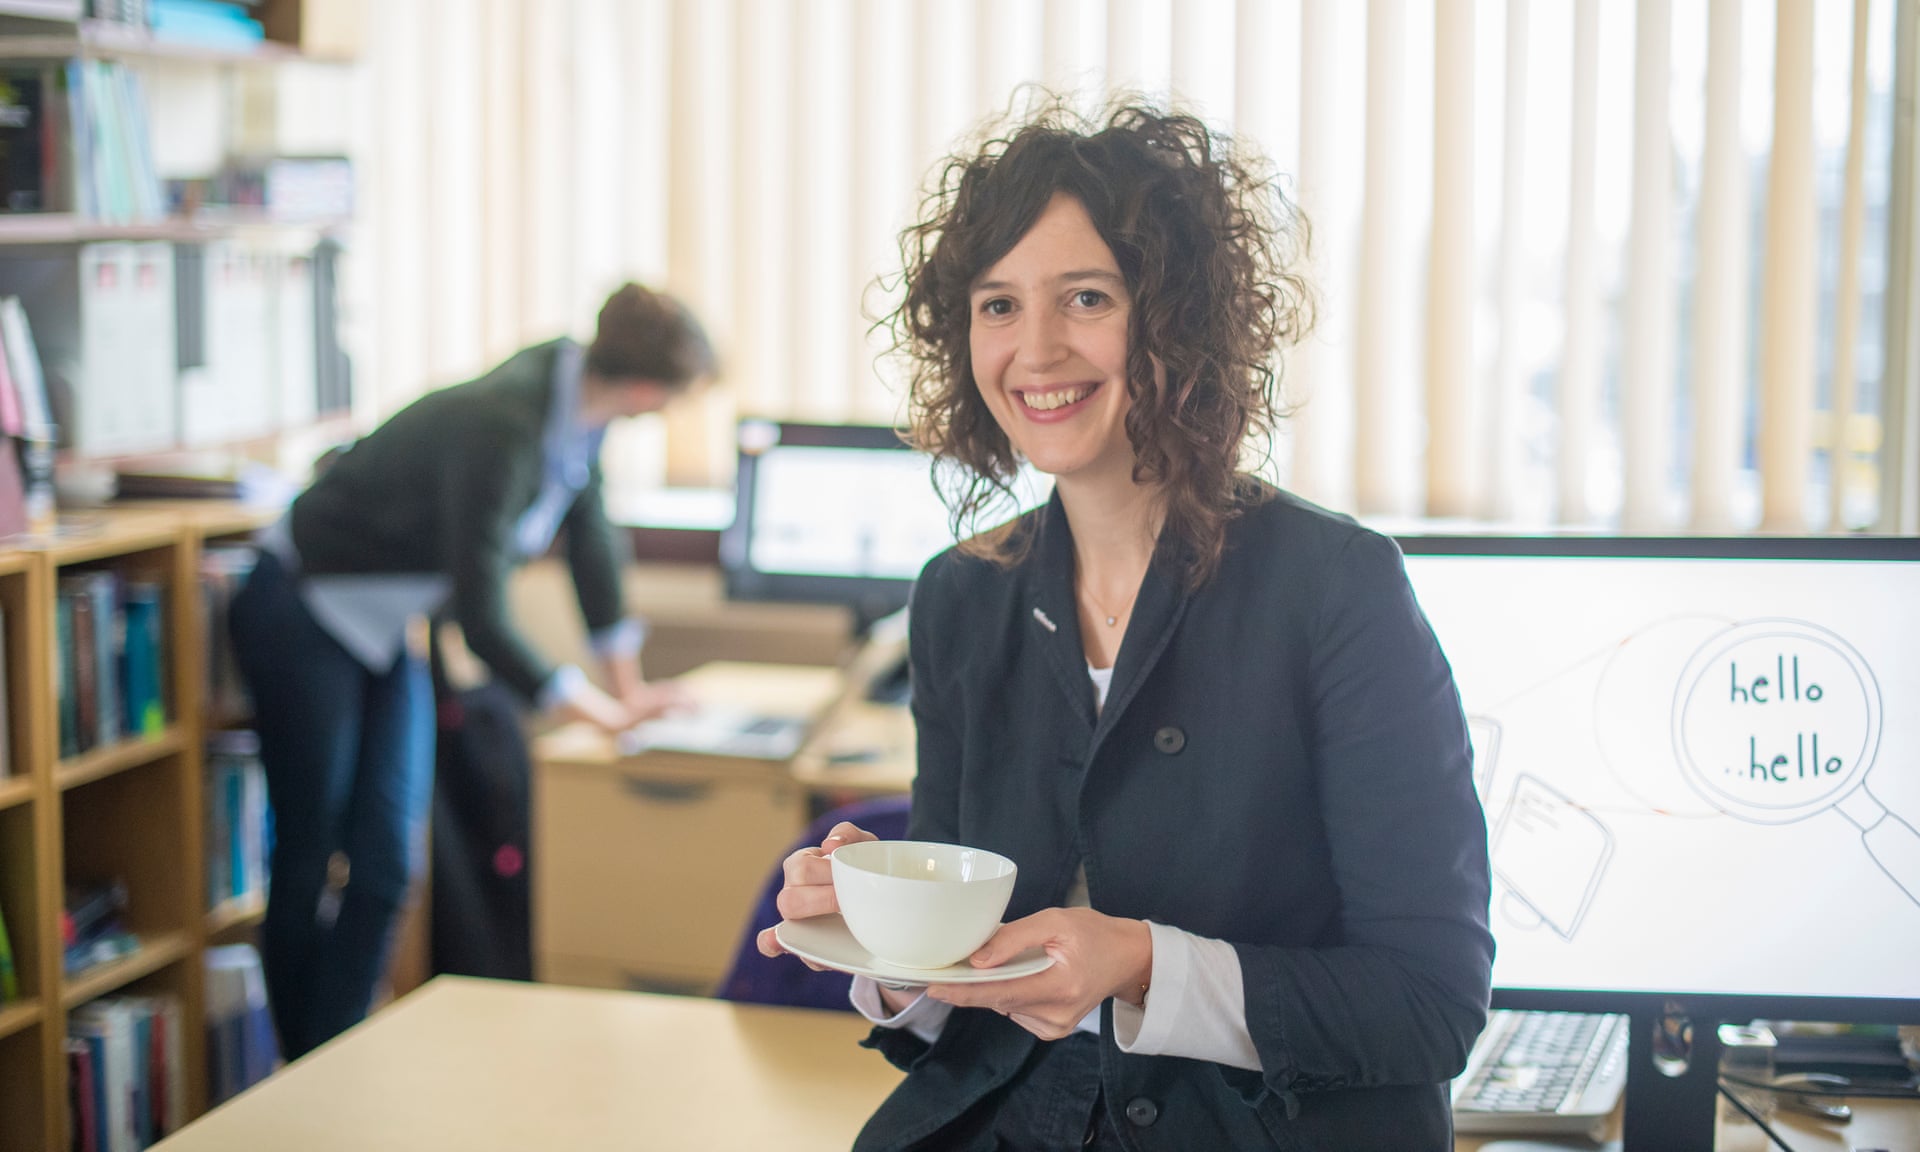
x=826, y=941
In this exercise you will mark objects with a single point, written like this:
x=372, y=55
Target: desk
x=646, y=867
x=1890, y=1124
x=479, y=1066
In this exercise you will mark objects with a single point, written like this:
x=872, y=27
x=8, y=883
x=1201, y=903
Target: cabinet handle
x=666, y=791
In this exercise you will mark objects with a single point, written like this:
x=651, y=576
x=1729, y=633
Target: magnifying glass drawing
x=1776, y=720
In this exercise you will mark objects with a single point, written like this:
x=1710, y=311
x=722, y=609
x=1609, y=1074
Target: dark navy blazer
x=1282, y=763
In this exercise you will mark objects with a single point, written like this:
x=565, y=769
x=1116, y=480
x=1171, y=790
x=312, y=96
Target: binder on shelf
x=296, y=347
x=333, y=383
x=228, y=387
x=102, y=318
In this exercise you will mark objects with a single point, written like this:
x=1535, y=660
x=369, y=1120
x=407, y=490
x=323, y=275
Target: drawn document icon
x=1551, y=854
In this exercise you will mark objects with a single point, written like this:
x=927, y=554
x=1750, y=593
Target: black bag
x=482, y=922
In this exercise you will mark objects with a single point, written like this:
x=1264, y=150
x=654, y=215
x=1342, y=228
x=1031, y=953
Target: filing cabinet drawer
x=654, y=872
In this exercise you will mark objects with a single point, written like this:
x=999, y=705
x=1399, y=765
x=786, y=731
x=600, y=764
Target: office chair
x=784, y=980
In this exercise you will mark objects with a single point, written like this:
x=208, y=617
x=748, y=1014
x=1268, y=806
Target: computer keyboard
x=1542, y=1072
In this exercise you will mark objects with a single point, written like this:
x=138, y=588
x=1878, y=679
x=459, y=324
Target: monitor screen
x=1701, y=771
x=835, y=512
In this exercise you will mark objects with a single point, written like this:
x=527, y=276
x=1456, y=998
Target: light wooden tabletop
x=481, y=1066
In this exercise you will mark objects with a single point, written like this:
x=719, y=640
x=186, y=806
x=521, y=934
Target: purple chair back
x=757, y=979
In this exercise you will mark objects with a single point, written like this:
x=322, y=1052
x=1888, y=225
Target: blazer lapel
x=1156, y=613
x=1052, y=612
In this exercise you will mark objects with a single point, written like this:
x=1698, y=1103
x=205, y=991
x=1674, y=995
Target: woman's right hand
x=587, y=702
x=808, y=890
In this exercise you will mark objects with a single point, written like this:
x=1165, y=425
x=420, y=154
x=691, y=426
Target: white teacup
x=917, y=904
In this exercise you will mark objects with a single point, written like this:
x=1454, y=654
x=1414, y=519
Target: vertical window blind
x=1603, y=264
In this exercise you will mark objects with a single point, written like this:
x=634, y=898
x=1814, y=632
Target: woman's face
x=1049, y=341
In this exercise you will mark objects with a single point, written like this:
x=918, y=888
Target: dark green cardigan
x=440, y=488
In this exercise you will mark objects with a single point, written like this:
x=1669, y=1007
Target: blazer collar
x=1157, y=609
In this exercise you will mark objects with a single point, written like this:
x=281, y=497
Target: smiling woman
x=1204, y=718
x=1049, y=347
x=1155, y=231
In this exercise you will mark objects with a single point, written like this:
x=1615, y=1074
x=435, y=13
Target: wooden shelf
x=232, y=915
x=100, y=535
x=114, y=758
x=15, y=790
x=66, y=11
x=209, y=517
x=14, y=1017
x=69, y=228
x=156, y=952
x=107, y=39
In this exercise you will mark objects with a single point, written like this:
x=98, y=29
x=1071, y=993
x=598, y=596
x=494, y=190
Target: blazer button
x=1142, y=1111
x=1169, y=740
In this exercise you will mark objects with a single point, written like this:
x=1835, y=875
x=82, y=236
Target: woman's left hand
x=650, y=701
x=1094, y=956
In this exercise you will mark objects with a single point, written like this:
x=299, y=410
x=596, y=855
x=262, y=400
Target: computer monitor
x=835, y=513
x=1700, y=761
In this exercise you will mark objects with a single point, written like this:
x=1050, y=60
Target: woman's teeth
x=1048, y=401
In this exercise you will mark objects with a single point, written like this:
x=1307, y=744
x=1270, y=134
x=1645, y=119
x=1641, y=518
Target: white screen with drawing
x=1700, y=775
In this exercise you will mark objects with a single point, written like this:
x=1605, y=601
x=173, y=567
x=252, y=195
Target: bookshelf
x=132, y=809
x=71, y=228
x=108, y=40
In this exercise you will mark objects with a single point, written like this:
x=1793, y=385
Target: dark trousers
x=348, y=755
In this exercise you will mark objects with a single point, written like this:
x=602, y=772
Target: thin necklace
x=1112, y=618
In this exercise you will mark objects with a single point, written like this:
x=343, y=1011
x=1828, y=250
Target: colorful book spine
x=9, y=970
x=84, y=1099
x=103, y=593
x=64, y=678
x=146, y=714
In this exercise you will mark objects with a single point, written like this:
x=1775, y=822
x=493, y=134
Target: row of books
x=126, y=1079
x=109, y=649
x=133, y=12
x=76, y=136
x=241, y=1050
x=93, y=927
x=207, y=22
x=223, y=569
x=239, y=835
x=141, y=347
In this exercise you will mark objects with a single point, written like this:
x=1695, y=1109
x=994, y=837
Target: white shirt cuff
x=1196, y=1006
x=923, y=1017
x=566, y=683
x=620, y=641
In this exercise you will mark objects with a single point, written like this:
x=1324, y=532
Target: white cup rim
x=1006, y=865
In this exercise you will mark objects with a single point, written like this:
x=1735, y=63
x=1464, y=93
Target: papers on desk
x=719, y=730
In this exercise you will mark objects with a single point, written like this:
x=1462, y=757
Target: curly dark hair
x=1208, y=246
